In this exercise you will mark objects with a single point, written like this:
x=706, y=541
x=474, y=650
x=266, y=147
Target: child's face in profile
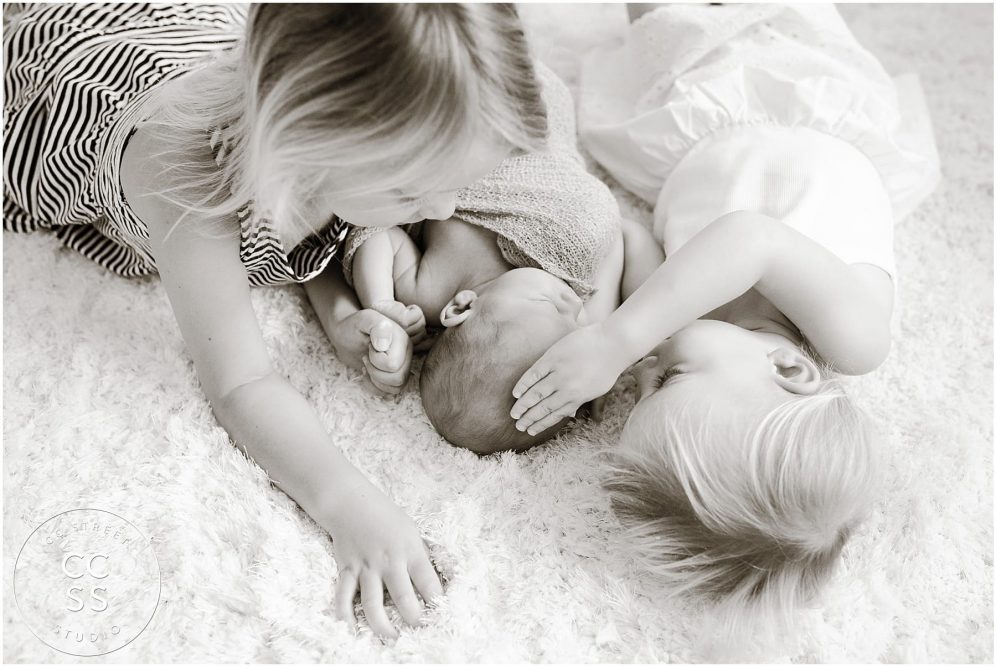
x=707, y=370
x=433, y=199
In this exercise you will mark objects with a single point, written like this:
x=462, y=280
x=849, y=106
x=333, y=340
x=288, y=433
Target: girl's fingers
x=543, y=408
x=381, y=335
x=386, y=382
x=399, y=585
x=396, y=355
x=345, y=593
x=553, y=408
x=424, y=576
x=551, y=420
x=372, y=597
x=536, y=372
x=537, y=393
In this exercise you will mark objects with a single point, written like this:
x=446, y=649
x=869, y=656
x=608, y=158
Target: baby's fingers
x=530, y=400
x=345, y=593
x=414, y=318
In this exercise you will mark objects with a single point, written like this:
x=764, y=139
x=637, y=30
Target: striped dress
x=75, y=78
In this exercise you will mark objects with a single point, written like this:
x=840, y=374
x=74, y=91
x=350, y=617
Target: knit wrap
x=546, y=209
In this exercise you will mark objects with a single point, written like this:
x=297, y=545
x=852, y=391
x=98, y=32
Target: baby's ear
x=794, y=371
x=458, y=309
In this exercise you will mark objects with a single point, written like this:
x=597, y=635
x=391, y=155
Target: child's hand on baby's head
x=578, y=368
x=410, y=318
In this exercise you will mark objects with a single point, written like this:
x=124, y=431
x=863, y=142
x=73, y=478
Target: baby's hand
x=410, y=318
x=581, y=366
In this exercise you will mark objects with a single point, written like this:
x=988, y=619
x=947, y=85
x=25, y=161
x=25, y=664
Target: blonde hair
x=754, y=521
x=385, y=92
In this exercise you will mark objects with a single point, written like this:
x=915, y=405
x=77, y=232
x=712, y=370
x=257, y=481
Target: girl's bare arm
x=843, y=309
x=265, y=416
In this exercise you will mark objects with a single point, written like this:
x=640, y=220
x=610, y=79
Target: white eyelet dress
x=75, y=78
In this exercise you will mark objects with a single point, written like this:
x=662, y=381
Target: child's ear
x=794, y=371
x=458, y=308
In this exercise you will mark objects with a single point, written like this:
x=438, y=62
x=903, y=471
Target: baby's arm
x=607, y=280
x=642, y=256
x=842, y=309
x=380, y=263
x=633, y=257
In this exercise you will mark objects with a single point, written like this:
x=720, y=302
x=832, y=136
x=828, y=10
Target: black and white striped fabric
x=75, y=77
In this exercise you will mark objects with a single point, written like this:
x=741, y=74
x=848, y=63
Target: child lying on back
x=507, y=278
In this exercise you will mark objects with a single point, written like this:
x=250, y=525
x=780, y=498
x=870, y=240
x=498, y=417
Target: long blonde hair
x=385, y=92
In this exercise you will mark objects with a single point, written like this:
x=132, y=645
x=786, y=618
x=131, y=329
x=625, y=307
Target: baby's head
x=743, y=469
x=493, y=334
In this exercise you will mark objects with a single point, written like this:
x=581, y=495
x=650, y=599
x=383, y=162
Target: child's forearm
x=278, y=429
x=719, y=264
x=842, y=309
x=332, y=299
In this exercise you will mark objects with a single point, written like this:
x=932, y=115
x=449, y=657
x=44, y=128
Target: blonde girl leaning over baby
x=771, y=146
x=225, y=150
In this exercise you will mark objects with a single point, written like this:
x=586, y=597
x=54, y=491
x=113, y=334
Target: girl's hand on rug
x=367, y=339
x=378, y=546
x=578, y=368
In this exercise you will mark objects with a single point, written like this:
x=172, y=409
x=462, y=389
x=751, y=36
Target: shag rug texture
x=102, y=409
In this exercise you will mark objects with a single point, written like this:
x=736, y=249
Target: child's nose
x=439, y=207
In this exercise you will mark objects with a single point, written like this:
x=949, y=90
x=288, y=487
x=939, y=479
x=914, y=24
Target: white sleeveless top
x=777, y=109
x=818, y=184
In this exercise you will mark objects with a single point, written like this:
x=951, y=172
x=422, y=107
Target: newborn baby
x=497, y=319
x=506, y=278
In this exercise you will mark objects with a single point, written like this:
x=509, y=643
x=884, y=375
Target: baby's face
x=531, y=310
x=513, y=320
x=544, y=306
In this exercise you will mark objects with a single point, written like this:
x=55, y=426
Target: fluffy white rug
x=102, y=409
